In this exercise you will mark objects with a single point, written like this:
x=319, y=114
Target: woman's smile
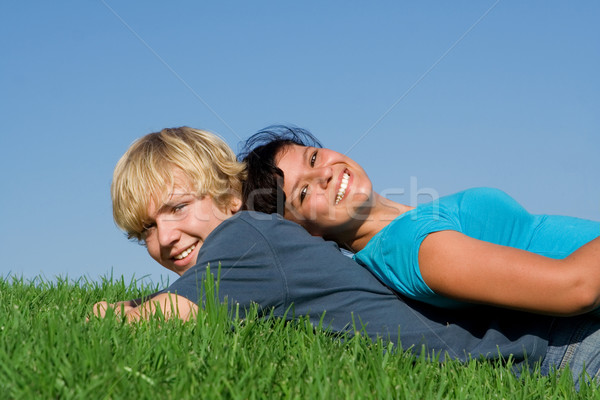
x=343, y=186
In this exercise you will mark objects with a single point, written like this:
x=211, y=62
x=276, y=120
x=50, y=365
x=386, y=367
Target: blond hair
x=145, y=174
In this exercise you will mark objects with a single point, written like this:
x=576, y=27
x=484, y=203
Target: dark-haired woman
x=476, y=246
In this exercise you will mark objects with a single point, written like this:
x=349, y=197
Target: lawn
x=49, y=350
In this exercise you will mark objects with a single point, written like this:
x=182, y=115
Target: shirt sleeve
x=393, y=255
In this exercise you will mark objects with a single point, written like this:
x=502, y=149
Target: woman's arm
x=457, y=266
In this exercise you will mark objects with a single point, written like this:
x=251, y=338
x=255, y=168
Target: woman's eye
x=313, y=158
x=303, y=193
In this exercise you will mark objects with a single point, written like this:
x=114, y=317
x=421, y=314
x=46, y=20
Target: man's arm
x=100, y=308
x=168, y=304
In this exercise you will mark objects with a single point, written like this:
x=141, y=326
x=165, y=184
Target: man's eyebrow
x=172, y=199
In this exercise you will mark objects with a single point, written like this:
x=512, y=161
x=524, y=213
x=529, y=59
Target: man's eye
x=148, y=226
x=178, y=207
x=313, y=158
x=303, y=193
x=146, y=230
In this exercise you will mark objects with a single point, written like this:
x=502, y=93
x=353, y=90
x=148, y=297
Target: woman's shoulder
x=486, y=199
x=441, y=213
x=438, y=214
x=484, y=192
x=477, y=194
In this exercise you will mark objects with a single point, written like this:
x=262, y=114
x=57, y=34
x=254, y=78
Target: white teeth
x=343, y=186
x=185, y=253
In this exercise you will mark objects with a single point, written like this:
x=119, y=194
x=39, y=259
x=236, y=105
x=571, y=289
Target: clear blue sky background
x=444, y=94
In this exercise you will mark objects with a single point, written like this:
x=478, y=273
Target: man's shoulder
x=254, y=235
x=260, y=220
x=270, y=226
x=249, y=234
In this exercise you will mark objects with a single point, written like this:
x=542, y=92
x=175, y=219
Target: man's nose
x=166, y=232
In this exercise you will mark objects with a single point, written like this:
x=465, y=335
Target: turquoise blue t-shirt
x=482, y=213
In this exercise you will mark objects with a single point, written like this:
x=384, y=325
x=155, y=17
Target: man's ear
x=235, y=204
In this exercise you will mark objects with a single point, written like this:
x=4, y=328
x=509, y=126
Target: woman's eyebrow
x=303, y=158
x=307, y=153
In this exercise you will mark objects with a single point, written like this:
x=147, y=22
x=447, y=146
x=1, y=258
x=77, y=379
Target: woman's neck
x=379, y=215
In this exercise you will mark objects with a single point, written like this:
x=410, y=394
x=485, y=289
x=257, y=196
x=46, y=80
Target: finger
x=133, y=314
x=122, y=309
x=100, y=308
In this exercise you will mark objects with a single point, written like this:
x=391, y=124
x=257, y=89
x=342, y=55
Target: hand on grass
x=166, y=304
x=119, y=308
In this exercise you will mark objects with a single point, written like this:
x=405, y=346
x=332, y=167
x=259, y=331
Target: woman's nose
x=322, y=176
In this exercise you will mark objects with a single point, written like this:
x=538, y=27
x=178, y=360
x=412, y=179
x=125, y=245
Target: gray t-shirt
x=275, y=263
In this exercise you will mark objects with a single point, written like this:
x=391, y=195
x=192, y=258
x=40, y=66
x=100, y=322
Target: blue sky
x=430, y=97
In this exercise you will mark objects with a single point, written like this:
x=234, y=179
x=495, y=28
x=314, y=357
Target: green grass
x=48, y=350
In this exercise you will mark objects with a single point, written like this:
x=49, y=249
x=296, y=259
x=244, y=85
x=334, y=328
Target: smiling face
x=175, y=231
x=326, y=192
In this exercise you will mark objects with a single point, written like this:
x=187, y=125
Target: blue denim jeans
x=575, y=342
